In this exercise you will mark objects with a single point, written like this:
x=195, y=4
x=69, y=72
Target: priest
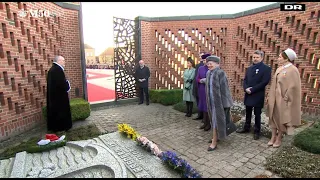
x=58, y=105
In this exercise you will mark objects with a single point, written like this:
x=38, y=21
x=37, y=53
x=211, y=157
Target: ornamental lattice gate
x=126, y=56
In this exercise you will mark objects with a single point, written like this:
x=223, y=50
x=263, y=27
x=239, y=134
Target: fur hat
x=213, y=58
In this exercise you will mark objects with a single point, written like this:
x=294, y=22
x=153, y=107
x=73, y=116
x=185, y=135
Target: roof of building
x=108, y=52
x=86, y=46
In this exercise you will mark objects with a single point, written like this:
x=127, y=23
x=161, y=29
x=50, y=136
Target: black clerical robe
x=58, y=105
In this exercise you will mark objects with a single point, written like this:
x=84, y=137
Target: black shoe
x=198, y=118
x=202, y=127
x=256, y=136
x=207, y=128
x=212, y=149
x=242, y=131
x=147, y=104
x=140, y=103
x=188, y=115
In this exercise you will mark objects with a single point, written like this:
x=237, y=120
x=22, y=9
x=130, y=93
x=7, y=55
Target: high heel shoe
x=276, y=145
x=271, y=142
x=212, y=149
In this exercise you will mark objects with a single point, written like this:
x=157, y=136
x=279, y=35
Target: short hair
x=258, y=52
x=56, y=58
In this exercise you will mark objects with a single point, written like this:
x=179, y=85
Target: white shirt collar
x=59, y=65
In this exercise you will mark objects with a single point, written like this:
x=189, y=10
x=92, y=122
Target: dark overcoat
x=257, y=76
x=58, y=104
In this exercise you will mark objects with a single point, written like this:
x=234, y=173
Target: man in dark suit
x=256, y=79
x=58, y=105
x=142, y=75
x=195, y=86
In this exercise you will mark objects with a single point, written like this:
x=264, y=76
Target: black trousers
x=142, y=91
x=257, y=114
x=189, y=107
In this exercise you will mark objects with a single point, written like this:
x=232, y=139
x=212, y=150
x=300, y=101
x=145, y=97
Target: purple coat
x=202, y=105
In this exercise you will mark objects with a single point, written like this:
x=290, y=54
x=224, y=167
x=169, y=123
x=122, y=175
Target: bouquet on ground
x=149, y=145
x=50, y=142
x=127, y=130
x=51, y=138
x=179, y=165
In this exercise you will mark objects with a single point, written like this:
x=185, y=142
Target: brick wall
x=167, y=44
x=27, y=48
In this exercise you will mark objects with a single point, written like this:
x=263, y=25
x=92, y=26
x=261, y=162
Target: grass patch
x=166, y=97
x=182, y=107
x=80, y=109
x=292, y=162
x=80, y=133
x=309, y=139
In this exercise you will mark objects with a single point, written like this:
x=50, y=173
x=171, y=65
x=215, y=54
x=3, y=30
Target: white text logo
x=34, y=13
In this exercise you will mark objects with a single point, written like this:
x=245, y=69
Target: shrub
x=292, y=162
x=309, y=139
x=80, y=109
x=182, y=107
x=166, y=97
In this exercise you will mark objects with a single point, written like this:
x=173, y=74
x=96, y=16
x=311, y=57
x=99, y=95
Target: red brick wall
x=24, y=64
x=167, y=68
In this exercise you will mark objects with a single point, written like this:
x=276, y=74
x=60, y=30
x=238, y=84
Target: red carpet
x=97, y=93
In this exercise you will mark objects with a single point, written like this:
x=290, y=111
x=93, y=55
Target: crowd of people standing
x=206, y=85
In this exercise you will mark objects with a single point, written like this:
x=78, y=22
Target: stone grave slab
x=107, y=156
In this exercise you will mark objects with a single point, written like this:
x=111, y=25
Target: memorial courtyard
x=238, y=156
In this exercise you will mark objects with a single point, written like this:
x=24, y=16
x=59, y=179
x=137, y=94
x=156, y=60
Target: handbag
x=230, y=126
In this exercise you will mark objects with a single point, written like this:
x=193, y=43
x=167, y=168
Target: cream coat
x=285, y=95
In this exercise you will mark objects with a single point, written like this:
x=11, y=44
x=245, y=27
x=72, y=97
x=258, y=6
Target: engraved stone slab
x=140, y=162
x=107, y=156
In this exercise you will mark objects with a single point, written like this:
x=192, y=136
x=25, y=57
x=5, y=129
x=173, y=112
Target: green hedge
x=182, y=107
x=80, y=109
x=309, y=139
x=166, y=97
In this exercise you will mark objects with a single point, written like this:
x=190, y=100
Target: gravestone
x=108, y=156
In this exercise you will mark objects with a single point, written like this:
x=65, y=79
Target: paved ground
x=238, y=156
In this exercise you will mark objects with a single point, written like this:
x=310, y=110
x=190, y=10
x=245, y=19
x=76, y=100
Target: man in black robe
x=142, y=75
x=58, y=105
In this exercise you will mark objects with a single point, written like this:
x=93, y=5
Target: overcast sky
x=98, y=16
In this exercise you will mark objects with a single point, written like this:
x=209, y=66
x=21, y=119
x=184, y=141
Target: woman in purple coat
x=202, y=106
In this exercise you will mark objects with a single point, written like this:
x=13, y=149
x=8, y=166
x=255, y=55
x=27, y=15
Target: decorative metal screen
x=125, y=57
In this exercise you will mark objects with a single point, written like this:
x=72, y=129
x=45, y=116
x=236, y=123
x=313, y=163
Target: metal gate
x=126, y=56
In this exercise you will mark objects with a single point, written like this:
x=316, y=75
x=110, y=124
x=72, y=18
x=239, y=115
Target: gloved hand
x=203, y=80
x=189, y=80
